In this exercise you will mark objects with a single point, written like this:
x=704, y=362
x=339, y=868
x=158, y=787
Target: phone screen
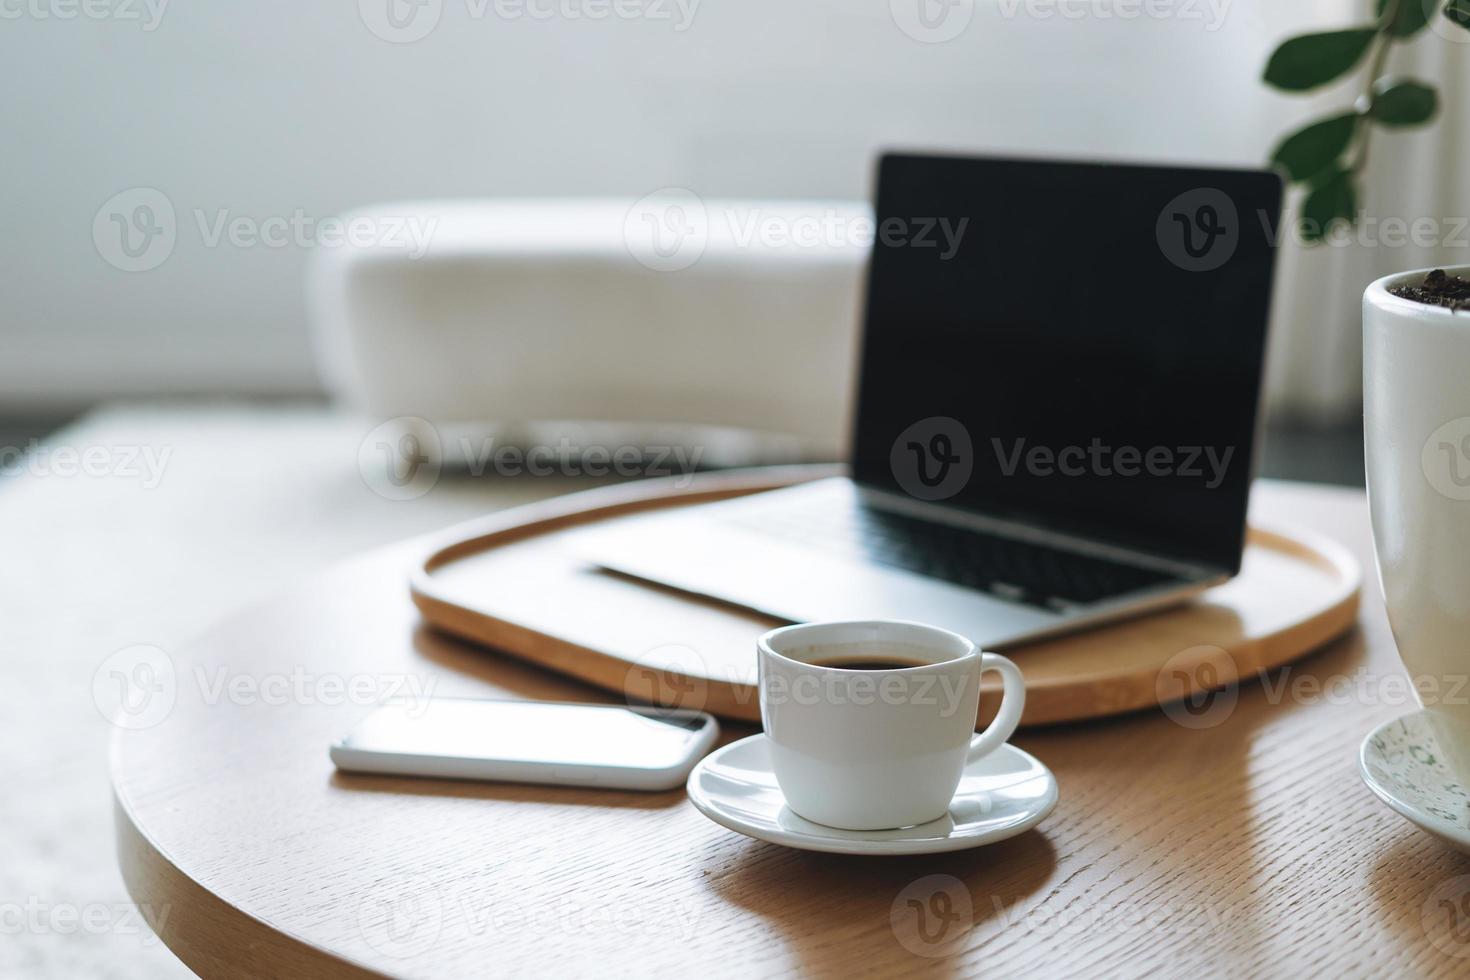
x=530, y=731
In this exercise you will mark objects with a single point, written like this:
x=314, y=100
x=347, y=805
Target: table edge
x=210, y=935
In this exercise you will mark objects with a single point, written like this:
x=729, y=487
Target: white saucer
x=1002, y=795
x=1401, y=764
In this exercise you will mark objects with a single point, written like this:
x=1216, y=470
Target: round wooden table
x=1240, y=841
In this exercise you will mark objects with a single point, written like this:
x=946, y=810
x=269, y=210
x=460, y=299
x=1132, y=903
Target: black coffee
x=868, y=663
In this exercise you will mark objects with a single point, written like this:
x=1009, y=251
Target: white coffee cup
x=863, y=749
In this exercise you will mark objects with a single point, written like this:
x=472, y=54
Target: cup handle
x=1012, y=702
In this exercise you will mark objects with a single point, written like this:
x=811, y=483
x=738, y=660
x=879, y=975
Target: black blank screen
x=1059, y=320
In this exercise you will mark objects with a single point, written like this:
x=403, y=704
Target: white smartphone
x=609, y=746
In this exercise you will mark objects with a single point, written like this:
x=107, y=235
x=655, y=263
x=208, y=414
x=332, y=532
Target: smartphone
x=611, y=746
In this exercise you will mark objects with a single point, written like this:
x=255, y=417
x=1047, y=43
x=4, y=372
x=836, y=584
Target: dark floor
x=1316, y=455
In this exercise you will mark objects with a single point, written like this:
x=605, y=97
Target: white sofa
x=740, y=315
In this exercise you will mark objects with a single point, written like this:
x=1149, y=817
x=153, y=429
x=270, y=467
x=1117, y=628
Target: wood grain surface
x=1233, y=839
x=517, y=582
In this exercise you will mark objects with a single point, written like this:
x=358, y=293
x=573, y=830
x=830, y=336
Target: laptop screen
x=1073, y=346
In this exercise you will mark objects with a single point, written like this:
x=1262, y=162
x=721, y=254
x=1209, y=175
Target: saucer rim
x=1448, y=832
x=866, y=847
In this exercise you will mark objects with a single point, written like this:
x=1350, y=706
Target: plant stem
x=1363, y=126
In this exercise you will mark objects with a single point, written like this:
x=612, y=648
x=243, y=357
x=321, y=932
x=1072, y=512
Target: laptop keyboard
x=1011, y=569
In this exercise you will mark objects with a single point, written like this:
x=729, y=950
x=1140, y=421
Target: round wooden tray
x=511, y=581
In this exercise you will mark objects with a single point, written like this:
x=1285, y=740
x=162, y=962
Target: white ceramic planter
x=1416, y=424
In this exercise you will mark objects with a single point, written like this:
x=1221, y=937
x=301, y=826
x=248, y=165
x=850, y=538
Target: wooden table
x=1245, y=846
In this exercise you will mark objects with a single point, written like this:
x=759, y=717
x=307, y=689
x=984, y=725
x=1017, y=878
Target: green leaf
x=1312, y=149
x=1402, y=103
x=1459, y=12
x=1333, y=198
x=1411, y=16
x=1315, y=59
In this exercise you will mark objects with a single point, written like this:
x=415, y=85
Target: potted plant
x=1416, y=427
x=1416, y=360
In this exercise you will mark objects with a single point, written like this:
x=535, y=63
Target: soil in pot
x=1437, y=289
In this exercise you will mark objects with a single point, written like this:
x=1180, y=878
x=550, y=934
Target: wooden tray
x=509, y=581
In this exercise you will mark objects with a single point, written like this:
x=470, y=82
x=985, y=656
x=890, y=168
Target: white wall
x=271, y=106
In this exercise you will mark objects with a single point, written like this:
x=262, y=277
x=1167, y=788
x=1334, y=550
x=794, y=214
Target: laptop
x=1056, y=409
